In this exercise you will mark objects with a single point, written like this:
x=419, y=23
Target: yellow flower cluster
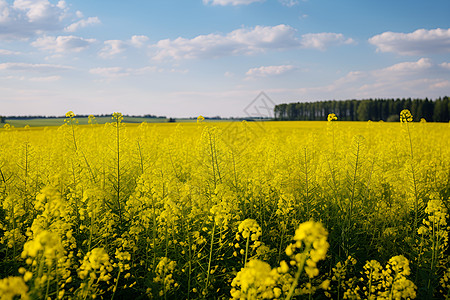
x=70, y=114
x=44, y=243
x=435, y=225
x=342, y=281
x=91, y=120
x=117, y=117
x=331, y=117
x=445, y=284
x=249, y=228
x=390, y=282
x=13, y=237
x=12, y=287
x=95, y=267
x=399, y=287
x=250, y=231
x=164, y=275
x=311, y=239
x=200, y=119
x=405, y=116
x=256, y=281
x=97, y=260
x=437, y=213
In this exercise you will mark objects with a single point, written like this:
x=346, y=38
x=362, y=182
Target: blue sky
x=214, y=57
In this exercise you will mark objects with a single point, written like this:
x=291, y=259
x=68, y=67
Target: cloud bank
x=24, y=19
x=419, y=42
x=244, y=41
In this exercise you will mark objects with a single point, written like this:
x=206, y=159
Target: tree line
x=437, y=110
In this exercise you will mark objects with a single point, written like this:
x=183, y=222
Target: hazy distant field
x=81, y=121
x=43, y=122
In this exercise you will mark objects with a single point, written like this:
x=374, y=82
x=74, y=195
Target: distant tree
x=362, y=112
x=445, y=109
x=438, y=110
x=427, y=109
x=280, y=112
x=2, y=119
x=368, y=109
x=417, y=108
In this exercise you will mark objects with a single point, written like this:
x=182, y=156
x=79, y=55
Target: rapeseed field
x=240, y=210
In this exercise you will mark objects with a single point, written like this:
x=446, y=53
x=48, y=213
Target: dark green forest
x=437, y=110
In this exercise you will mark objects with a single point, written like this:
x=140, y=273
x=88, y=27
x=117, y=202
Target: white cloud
x=230, y=2
x=112, y=48
x=323, y=40
x=63, y=44
x=419, y=42
x=118, y=72
x=27, y=67
x=244, y=41
x=139, y=41
x=111, y=72
x=40, y=10
x=61, y=4
x=228, y=74
x=25, y=18
x=9, y=52
x=421, y=78
x=33, y=79
x=265, y=71
x=4, y=11
x=400, y=72
x=443, y=84
x=45, y=79
x=240, y=41
x=288, y=3
x=82, y=23
x=408, y=67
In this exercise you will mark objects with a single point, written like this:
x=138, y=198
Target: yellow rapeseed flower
x=405, y=116
x=13, y=286
x=331, y=117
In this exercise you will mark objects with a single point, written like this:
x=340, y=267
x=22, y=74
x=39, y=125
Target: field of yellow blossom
x=241, y=210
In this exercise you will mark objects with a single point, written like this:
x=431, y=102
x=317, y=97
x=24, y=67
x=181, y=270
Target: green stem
x=118, y=169
x=73, y=134
x=210, y=255
x=154, y=231
x=115, y=286
x=190, y=262
x=416, y=198
x=48, y=282
x=297, y=276
x=246, y=249
x=212, y=159
x=141, y=157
